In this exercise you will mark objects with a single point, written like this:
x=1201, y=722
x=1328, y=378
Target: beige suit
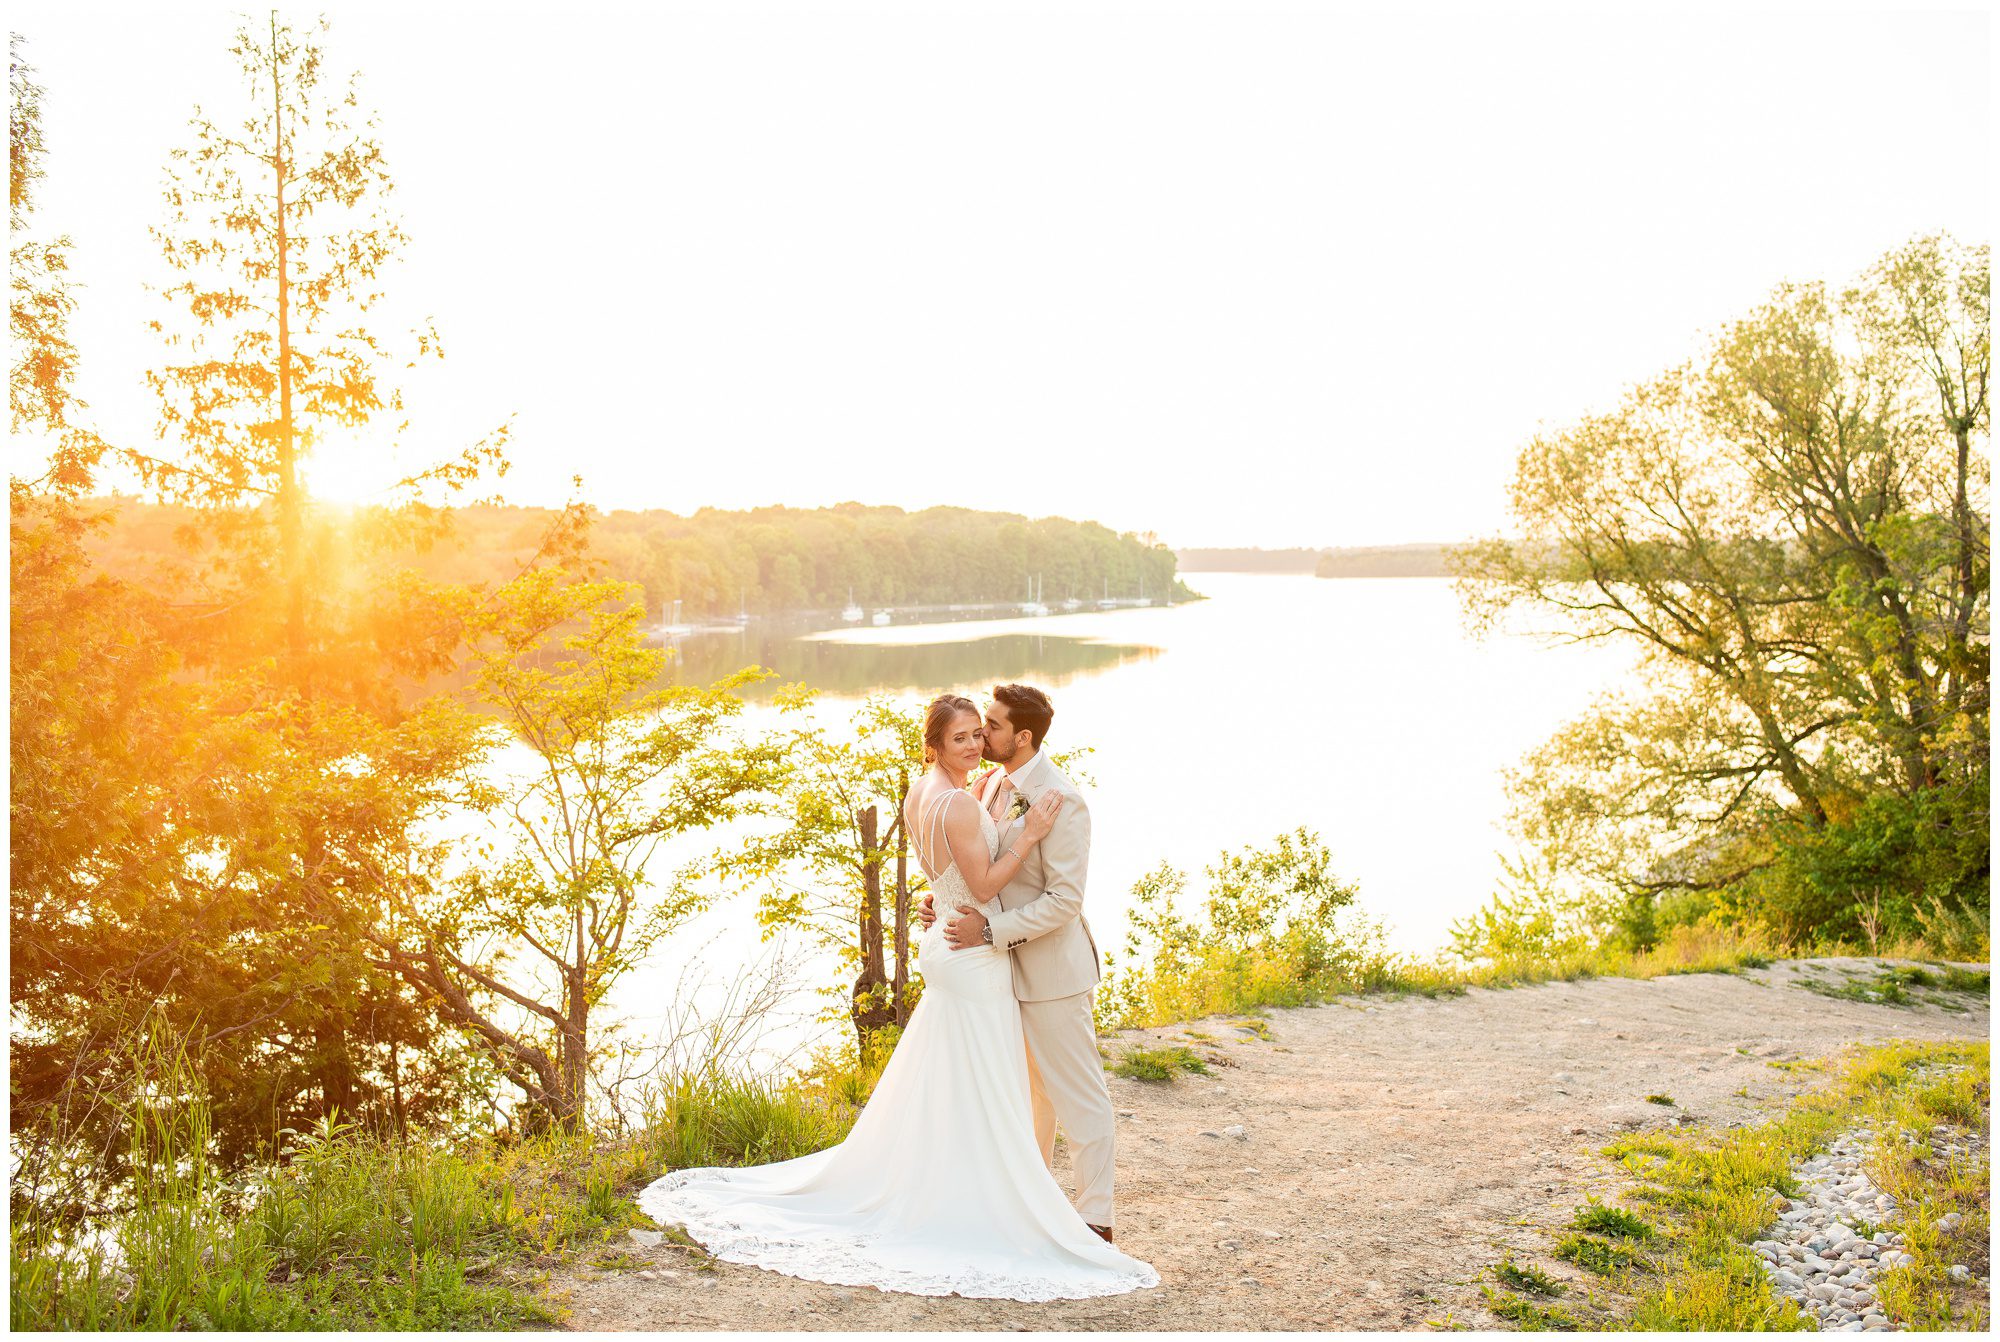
x=1040, y=924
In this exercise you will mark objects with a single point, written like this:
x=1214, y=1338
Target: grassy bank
x=1225, y=981
x=1209, y=976
x=350, y=1231
x=1679, y=1256
x=1274, y=928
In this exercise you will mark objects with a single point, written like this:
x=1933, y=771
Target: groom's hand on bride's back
x=926, y=913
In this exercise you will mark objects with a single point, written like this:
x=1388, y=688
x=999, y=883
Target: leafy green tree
x=770, y=560
x=159, y=840
x=518, y=949
x=1790, y=532
x=196, y=841
x=281, y=237
x=764, y=561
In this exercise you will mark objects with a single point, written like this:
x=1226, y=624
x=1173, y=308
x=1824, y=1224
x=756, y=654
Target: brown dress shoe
x=1103, y=1232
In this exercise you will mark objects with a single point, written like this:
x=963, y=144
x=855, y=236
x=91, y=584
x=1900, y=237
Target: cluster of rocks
x=1819, y=1257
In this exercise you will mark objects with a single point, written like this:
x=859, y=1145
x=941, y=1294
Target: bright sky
x=1234, y=273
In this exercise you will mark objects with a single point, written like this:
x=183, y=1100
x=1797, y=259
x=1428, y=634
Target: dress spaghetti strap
x=933, y=819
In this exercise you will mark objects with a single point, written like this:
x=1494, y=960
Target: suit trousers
x=1066, y=1081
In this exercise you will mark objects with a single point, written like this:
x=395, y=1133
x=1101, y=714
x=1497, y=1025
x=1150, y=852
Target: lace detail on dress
x=949, y=885
x=847, y=1260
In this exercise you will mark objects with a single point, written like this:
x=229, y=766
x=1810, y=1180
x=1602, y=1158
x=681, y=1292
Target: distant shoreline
x=1415, y=559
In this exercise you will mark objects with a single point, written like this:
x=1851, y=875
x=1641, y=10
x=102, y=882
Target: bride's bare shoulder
x=960, y=808
x=930, y=793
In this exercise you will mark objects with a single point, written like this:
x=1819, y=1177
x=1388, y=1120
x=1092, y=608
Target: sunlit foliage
x=556, y=899
x=1791, y=530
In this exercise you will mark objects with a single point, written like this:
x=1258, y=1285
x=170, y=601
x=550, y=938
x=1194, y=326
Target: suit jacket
x=1040, y=920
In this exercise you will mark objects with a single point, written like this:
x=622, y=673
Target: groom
x=1040, y=924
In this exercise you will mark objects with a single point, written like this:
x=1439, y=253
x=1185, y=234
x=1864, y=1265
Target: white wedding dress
x=939, y=1188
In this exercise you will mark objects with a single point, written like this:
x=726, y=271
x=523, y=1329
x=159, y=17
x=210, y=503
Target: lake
x=1356, y=707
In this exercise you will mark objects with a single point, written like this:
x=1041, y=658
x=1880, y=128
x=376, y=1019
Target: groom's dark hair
x=1028, y=709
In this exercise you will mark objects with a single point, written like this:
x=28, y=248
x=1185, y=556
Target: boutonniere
x=1019, y=806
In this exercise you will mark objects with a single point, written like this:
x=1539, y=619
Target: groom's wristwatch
x=986, y=933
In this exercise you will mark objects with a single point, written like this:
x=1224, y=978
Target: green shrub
x=1529, y=1278
x=1683, y=908
x=1602, y=1219
x=1638, y=923
x=1531, y=1317
x=1160, y=1064
x=1537, y=919
x=1275, y=929
x=1906, y=868
x=1597, y=1255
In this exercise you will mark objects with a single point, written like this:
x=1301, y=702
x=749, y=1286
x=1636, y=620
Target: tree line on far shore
x=1416, y=559
x=760, y=561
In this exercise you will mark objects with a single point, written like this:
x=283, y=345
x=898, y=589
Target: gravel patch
x=1836, y=1239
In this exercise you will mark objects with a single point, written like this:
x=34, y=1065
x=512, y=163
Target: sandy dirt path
x=1391, y=1150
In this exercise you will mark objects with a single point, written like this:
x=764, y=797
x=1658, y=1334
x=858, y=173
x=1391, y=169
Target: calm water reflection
x=848, y=669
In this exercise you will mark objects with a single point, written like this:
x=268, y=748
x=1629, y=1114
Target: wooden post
x=871, y=1007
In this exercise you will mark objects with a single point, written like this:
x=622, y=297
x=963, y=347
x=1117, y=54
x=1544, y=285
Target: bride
x=939, y=1188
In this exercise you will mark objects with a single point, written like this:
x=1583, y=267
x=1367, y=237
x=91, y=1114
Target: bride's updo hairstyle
x=939, y=716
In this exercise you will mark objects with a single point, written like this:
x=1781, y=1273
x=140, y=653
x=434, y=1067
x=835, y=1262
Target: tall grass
x=349, y=1230
x=349, y=1233
x=1212, y=979
x=1682, y=950
x=733, y=1121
